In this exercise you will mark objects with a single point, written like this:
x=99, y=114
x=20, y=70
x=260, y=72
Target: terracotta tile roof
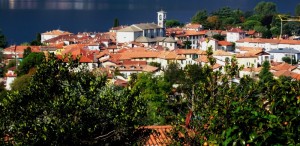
x=129, y=62
x=283, y=66
x=216, y=66
x=83, y=59
x=10, y=74
x=56, y=32
x=145, y=54
x=224, y=43
x=245, y=55
x=137, y=67
x=251, y=32
x=160, y=136
x=12, y=56
x=192, y=25
x=149, y=68
x=293, y=42
x=101, y=54
x=284, y=73
x=190, y=51
x=115, y=58
x=221, y=53
x=249, y=48
x=296, y=76
x=271, y=41
x=20, y=49
x=238, y=30
x=112, y=47
x=122, y=83
x=193, y=32
x=202, y=58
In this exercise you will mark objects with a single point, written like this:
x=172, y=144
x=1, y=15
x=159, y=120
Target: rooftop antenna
x=287, y=18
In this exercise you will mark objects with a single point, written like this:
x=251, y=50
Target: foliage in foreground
x=64, y=106
x=250, y=112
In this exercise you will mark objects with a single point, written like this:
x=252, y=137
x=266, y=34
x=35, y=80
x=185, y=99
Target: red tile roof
x=202, y=58
x=284, y=73
x=246, y=55
x=122, y=83
x=20, y=49
x=251, y=32
x=224, y=43
x=137, y=67
x=190, y=51
x=221, y=53
x=56, y=32
x=192, y=26
x=237, y=30
x=10, y=74
x=283, y=66
x=129, y=62
x=271, y=41
x=160, y=136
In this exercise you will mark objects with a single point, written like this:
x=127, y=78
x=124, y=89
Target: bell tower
x=161, y=18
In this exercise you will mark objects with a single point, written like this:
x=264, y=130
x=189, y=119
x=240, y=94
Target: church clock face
x=160, y=17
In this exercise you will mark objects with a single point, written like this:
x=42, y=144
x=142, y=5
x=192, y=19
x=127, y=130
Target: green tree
x=289, y=60
x=214, y=22
x=219, y=37
x=275, y=31
x=26, y=52
x=173, y=23
x=265, y=75
x=266, y=33
x=250, y=24
x=265, y=8
x=247, y=113
x=37, y=41
x=187, y=44
x=224, y=12
x=62, y=106
x=155, y=91
x=200, y=17
x=173, y=73
x=116, y=22
x=10, y=64
x=291, y=28
x=21, y=82
x=297, y=10
x=31, y=61
x=239, y=16
x=3, y=42
x=156, y=64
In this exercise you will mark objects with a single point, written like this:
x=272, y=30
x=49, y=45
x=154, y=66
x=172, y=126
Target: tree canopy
x=173, y=23
x=200, y=17
x=3, y=42
x=116, y=22
x=297, y=10
x=63, y=107
x=250, y=112
x=30, y=61
x=265, y=8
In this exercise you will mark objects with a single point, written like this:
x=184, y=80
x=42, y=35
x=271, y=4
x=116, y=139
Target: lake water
x=20, y=20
